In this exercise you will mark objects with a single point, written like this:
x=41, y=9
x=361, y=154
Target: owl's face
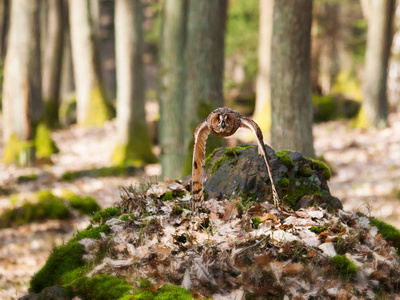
x=224, y=124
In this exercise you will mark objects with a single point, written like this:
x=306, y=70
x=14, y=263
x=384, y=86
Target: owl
x=222, y=122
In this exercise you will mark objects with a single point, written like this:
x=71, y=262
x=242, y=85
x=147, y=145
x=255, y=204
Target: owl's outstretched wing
x=199, y=152
x=250, y=124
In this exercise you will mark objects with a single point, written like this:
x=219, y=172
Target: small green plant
x=346, y=267
x=317, y=229
x=255, y=222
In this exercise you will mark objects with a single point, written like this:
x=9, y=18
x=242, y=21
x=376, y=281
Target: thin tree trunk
x=291, y=126
x=22, y=97
x=205, y=68
x=53, y=60
x=262, y=113
x=171, y=90
x=374, y=111
x=92, y=108
x=134, y=144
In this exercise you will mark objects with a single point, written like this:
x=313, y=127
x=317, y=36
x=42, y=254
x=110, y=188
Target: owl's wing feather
x=199, y=152
x=250, y=124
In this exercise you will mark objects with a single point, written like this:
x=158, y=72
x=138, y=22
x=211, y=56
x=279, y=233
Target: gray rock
x=244, y=173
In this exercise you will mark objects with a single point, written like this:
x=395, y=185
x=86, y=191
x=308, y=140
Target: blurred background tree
x=134, y=144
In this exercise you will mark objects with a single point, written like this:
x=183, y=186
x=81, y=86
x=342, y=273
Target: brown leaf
x=231, y=212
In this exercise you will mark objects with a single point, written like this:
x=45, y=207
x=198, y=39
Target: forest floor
x=365, y=163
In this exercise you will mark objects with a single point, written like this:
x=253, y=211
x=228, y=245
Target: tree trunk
x=291, y=126
x=205, y=68
x=22, y=97
x=374, y=111
x=171, y=90
x=105, y=37
x=53, y=60
x=92, y=107
x=262, y=113
x=134, y=145
x=4, y=24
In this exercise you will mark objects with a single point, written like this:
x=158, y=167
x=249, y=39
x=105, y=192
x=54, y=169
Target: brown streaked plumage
x=222, y=122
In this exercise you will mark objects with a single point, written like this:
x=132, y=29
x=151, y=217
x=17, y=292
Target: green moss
x=98, y=110
x=47, y=207
x=167, y=196
x=255, y=222
x=229, y=154
x=285, y=159
x=389, y=232
x=128, y=217
x=99, y=172
x=305, y=171
x=85, y=205
x=44, y=144
x=294, y=196
x=207, y=161
x=62, y=260
x=346, y=266
x=106, y=214
x=137, y=152
x=27, y=178
x=325, y=108
x=284, y=183
x=19, y=152
x=92, y=233
x=100, y=287
x=322, y=167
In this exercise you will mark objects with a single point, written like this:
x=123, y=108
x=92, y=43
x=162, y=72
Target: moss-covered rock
x=27, y=178
x=334, y=107
x=242, y=171
x=45, y=205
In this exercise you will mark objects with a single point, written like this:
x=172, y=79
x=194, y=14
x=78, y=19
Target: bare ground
x=366, y=166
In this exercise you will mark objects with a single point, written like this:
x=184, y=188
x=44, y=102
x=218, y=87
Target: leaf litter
x=217, y=253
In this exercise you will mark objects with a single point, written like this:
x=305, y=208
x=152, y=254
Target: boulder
x=300, y=181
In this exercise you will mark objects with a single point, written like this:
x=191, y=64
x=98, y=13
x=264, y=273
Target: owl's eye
x=218, y=120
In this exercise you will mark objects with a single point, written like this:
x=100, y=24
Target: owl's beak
x=223, y=124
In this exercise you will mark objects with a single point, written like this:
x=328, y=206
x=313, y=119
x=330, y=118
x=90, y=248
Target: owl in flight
x=222, y=122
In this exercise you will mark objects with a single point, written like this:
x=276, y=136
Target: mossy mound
x=45, y=205
x=241, y=171
x=145, y=248
x=331, y=107
x=100, y=172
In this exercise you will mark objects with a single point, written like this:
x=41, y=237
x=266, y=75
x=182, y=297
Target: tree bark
x=4, y=24
x=22, y=97
x=171, y=86
x=134, y=144
x=205, y=68
x=53, y=60
x=374, y=111
x=92, y=107
x=291, y=126
x=262, y=113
